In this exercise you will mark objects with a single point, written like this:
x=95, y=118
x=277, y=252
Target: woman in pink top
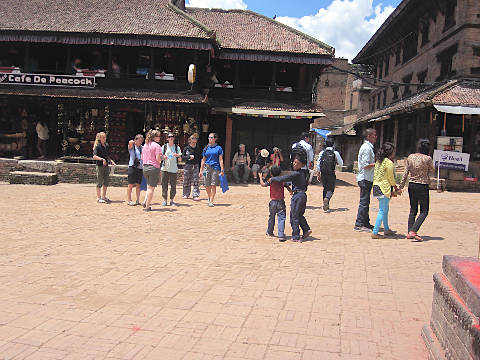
x=151, y=157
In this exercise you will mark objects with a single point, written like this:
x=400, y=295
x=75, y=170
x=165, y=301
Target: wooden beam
x=228, y=141
x=395, y=132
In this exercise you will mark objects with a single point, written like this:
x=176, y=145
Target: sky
x=346, y=25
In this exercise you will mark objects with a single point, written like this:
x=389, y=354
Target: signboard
x=47, y=80
x=451, y=160
x=450, y=143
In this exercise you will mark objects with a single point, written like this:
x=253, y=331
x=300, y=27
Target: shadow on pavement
x=338, y=209
x=430, y=238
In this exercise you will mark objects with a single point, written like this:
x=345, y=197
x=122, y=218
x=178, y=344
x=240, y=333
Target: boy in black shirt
x=299, y=179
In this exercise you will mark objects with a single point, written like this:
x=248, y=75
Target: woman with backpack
x=327, y=160
x=192, y=155
x=135, y=168
x=171, y=153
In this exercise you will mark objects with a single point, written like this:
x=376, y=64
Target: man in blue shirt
x=327, y=160
x=366, y=167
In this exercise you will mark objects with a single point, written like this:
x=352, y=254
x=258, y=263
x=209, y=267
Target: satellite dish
x=192, y=73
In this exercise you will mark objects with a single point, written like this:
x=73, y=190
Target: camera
x=136, y=162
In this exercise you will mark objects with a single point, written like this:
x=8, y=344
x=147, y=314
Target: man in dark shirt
x=299, y=179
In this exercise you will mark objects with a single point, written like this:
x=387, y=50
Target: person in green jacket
x=383, y=182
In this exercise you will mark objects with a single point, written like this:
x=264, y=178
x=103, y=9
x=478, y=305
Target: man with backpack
x=305, y=144
x=327, y=160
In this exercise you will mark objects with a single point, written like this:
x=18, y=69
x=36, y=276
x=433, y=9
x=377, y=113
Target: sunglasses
x=212, y=137
x=170, y=136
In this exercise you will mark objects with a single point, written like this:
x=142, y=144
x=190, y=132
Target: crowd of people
x=152, y=163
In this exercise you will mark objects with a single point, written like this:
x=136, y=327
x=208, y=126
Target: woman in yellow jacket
x=383, y=181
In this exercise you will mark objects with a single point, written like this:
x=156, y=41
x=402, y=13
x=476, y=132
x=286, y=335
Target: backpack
x=328, y=162
x=298, y=150
x=164, y=149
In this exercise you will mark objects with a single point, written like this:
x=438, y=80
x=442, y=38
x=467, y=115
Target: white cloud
x=218, y=4
x=345, y=24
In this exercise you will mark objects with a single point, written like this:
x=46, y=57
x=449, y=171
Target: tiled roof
x=454, y=92
x=246, y=30
x=467, y=93
x=104, y=94
x=142, y=17
x=280, y=107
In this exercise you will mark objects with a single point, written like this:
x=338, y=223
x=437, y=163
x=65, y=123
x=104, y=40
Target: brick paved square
x=81, y=280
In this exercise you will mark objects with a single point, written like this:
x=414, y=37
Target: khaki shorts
x=103, y=176
x=211, y=176
x=152, y=175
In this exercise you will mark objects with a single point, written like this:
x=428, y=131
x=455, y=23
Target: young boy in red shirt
x=277, y=204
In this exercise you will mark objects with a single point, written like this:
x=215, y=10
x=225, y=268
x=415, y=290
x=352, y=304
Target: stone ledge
x=464, y=275
x=434, y=348
x=33, y=178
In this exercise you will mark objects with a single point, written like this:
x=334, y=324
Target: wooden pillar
x=274, y=75
x=151, y=70
x=109, y=66
x=26, y=59
x=382, y=132
x=302, y=73
x=395, y=133
x=236, y=82
x=228, y=142
x=68, y=64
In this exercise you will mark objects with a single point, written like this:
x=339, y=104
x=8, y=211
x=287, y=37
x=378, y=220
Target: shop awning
x=458, y=109
x=322, y=132
x=269, y=113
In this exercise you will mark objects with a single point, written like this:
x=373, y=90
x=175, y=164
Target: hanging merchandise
x=205, y=126
x=107, y=119
x=192, y=73
x=60, y=115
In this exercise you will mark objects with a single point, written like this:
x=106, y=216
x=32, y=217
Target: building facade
x=124, y=70
x=424, y=63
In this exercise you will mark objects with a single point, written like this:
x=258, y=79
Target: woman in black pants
x=419, y=166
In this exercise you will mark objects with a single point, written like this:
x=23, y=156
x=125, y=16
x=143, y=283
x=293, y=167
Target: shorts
x=134, y=175
x=211, y=176
x=103, y=176
x=256, y=168
x=152, y=175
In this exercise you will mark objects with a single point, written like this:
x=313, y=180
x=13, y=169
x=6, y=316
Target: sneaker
x=282, y=238
x=326, y=204
x=196, y=198
x=369, y=226
x=361, y=229
x=107, y=200
x=137, y=202
x=132, y=203
x=377, y=236
x=147, y=209
x=172, y=203
x=185, y=197
x=389, y=232
x=210, y=204
x=144, y=205
x=307, y=234
x=271, y=235
x=164, y=203
x=101, y=201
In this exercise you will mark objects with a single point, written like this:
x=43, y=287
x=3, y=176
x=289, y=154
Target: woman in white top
x=42, y=132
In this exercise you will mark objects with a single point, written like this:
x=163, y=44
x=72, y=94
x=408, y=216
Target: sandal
x=411, y=235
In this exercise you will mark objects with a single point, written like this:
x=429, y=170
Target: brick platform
x=33, y=178
x=454, y=331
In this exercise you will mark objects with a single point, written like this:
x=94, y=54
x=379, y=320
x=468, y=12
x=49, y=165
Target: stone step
x=118, y=180
x=33, y=178
x=38, y=165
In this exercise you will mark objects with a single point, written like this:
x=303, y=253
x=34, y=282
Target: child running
x=299, y=179
x=277, y=204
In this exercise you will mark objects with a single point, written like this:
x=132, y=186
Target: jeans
x=277, y=207
x=169, y=178
x=297, y=209
x=237, y=171
x=419, y=195
x=382, y=215
x=190, y=176
x=363, y=219
x=328, y=181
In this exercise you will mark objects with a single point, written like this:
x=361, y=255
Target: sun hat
x=275, y=149
x=264, y=153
